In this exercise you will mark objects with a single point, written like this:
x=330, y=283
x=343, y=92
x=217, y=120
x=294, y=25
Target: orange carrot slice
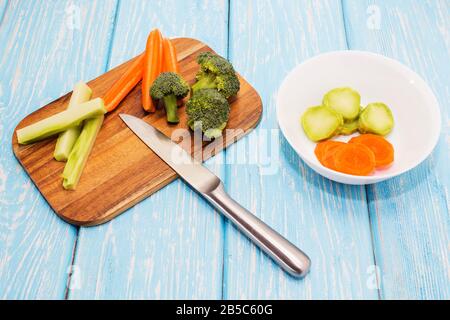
x=381, y=148
x=170, y=63
x=122, y=87
x=355, y=159
x=152, y=67
x=324, y=152
x=320, y=148
x=328, y=156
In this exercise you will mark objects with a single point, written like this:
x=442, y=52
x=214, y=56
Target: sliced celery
x=81, y=93
x=61, y=121
x=80, y=152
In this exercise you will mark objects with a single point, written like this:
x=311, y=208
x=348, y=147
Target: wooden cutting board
x=121, y=170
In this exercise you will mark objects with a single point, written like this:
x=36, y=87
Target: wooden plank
x=170, y=245
x=45, y=48
x=3, y=5
x=329, y=221
x=410, y=214
x=116, y=176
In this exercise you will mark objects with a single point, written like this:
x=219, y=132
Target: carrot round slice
x=325, y=153
x=381, y=148
x=321, y=147
x=328, y=157
x=355, y=159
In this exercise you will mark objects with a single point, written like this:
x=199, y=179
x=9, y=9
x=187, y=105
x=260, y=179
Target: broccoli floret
x=216, y=73
x=209, y=111
x=170, y=87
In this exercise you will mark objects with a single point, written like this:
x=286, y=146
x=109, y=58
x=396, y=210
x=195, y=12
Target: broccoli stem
x=205, y=82
x=170, y=103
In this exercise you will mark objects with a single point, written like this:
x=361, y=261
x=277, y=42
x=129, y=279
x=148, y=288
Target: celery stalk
x=61, y=121
x=80, y=152
x=81, y=93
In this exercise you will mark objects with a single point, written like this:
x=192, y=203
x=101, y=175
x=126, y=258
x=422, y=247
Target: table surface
x=386, y=241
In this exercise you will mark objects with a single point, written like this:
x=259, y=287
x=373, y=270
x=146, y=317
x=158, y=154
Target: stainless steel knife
x=287, y=255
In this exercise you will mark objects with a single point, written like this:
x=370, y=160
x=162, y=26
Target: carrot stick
x=124, y=85
x=170, y=57
x=355, y=159
x=152, y=67
x=382, y=149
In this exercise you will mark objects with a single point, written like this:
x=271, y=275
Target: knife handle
x=287, y=255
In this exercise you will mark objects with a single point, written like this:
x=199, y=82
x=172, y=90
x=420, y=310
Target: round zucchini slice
x=376, y=118
x=345, y=101
x=321, y=123
x=349, y=128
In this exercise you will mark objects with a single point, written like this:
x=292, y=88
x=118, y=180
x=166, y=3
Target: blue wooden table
x=386, y=241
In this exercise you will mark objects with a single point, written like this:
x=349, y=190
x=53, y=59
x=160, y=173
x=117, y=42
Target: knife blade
x=207, y=184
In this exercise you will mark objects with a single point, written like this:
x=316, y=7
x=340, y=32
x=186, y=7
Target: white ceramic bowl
x=377, y=79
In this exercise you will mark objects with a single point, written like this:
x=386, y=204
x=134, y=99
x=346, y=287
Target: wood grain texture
x=42, y=56
x=410, y=214
x=169, y=245
x=329, y=221
x=122, y=170
x=3, y=5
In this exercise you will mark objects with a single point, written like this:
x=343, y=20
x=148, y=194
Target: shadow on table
x=404, y=183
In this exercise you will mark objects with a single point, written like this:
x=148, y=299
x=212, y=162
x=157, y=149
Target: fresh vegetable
x=81, y=93
x=321, y=122
x=349, y=128
x=122, y=87
x=80, y=152
x=61, y=121
x=170, y=60
x=216, y=73
x=381, y=148
x=345, y=101
x=376, y=118
x=153, y=60
x=170, y=87
x=355, y=159
x=325, y=152
x=209, y=111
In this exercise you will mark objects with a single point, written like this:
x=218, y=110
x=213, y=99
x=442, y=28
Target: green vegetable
x=60, y=121
x=346, y=101
x=209, y=111
x=376, y=118
x=321, y=122
x=170, y=87
x=80, y=152
x=349, y=128
x=216, y=73
x=81, y=93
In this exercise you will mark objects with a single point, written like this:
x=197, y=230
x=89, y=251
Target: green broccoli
x=170, y=87
x=209, y=111
x=216, y=73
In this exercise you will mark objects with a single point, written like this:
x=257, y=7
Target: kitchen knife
x=287, y=255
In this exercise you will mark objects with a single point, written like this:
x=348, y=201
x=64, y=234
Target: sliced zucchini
x=376, y=118
x=61, y=121
x=349, y=128
x=321, y=122
x=345, y=101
